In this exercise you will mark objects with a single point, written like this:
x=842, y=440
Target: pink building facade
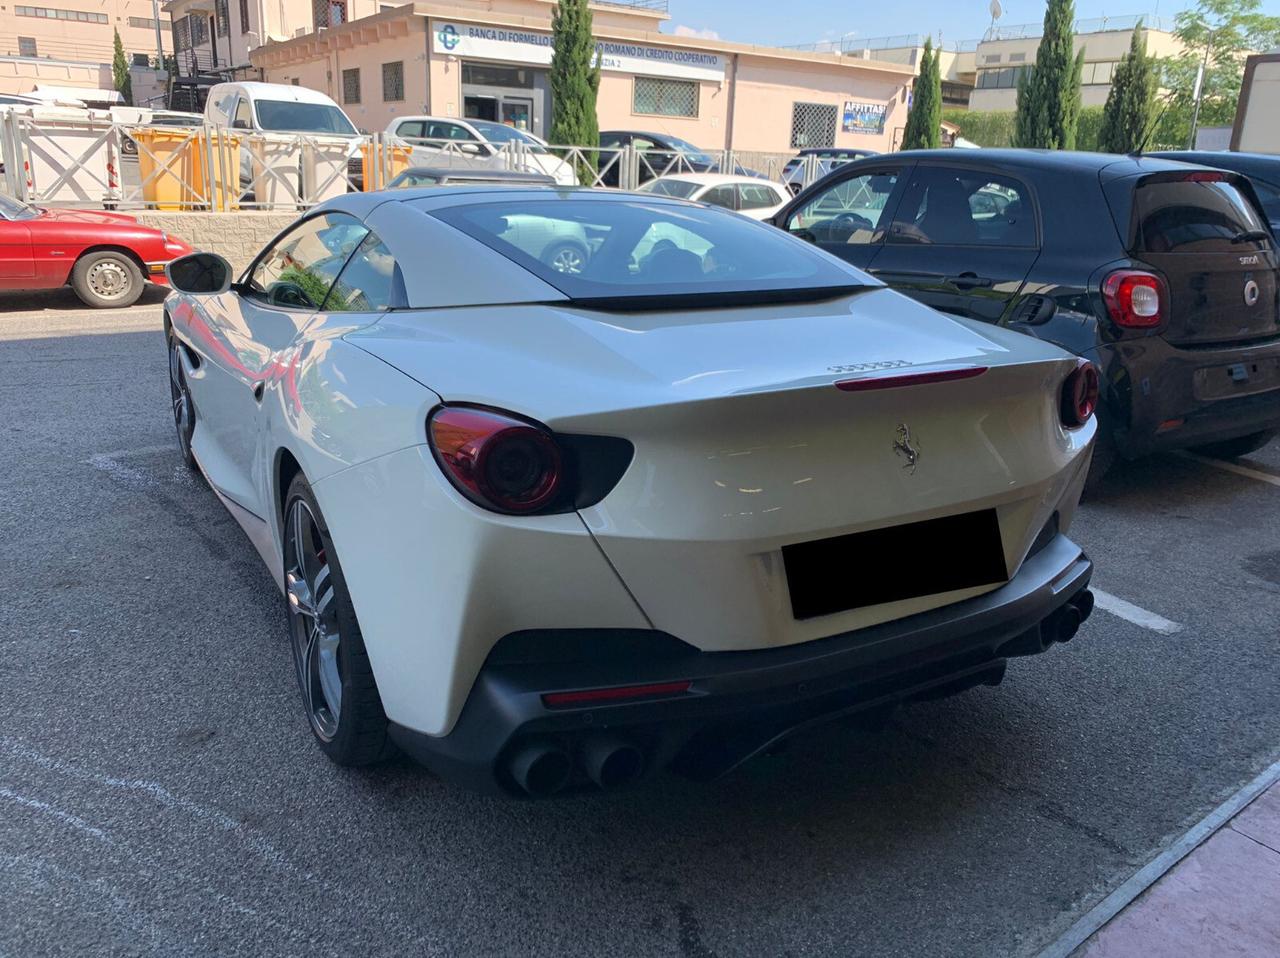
x=488, y=59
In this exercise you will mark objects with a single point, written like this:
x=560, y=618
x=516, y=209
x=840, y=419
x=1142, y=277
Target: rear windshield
x=665, y=187
x=636, y=249
x=1185, y=216
x=289, y=117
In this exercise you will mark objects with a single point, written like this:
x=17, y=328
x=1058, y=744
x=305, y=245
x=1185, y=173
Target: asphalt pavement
x=160, y=793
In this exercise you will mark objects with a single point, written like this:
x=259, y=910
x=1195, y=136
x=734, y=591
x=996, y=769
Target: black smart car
x=1163, y=274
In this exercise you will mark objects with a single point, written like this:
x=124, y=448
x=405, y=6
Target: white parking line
x=1233, y=467
x=1132, y=613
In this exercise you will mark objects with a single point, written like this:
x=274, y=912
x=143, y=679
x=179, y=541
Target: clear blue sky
x=775, y=22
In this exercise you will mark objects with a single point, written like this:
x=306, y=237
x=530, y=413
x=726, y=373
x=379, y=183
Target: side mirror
x=199, y=273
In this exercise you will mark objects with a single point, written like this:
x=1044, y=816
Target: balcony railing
x=194, y=62
x=1029, y=31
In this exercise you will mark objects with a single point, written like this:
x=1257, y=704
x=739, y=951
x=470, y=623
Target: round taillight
x=495, y=460
x=1080, y=394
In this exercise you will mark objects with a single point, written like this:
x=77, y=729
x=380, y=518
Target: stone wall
x=237, y=236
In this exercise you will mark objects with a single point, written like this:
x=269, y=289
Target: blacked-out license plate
x=900, y=562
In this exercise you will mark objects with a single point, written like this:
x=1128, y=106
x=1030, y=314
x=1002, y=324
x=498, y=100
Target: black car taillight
x=1079, y=394
x=512, y=465
x=1135, y=299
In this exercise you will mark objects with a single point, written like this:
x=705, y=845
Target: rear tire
x=1235, y=448
x=107, y=279
x=1105, y=455
x=184, y=410
x=339, y=693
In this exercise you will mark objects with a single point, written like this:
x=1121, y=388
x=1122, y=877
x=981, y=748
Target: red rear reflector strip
x=554, y=699
x=911, y=379
x=1205, y=177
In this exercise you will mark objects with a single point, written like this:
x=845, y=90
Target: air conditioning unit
x=301, y=32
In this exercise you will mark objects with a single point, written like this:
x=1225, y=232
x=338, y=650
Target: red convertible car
x=106, y=257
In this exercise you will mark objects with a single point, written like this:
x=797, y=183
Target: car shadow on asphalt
x=64, y=299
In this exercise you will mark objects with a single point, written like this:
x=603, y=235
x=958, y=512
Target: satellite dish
x=996, y=10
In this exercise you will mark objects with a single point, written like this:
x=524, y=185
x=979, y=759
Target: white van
x=277, y=108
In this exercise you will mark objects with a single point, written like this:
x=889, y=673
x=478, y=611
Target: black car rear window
x=1196, y=216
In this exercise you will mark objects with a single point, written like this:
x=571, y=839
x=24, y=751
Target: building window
x=146, y=23
x=664, y=97
x=295, y=82
x=1017, y=58
x=393, y=81
x=1098, y=74
x=182, y=34
x=1006, y=79
x=199, y=30
x=351, y=86
x=48, y=13
x=244, y=16
x=141, y=60
x=328, y=13
x=813, y=124
x=27, y=47
x=991, y=58
x=222, y=17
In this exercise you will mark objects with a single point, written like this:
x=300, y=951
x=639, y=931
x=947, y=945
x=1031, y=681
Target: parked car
x=826, y=159
x=449, y=176
x=477, y=143
x=660, y=154
x=278, y=108
x=1162, y=275
x=107, y=258
x=1262, y=169
x=747, y=195
x=537, y=527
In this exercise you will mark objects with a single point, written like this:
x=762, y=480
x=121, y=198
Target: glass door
x=518, y=112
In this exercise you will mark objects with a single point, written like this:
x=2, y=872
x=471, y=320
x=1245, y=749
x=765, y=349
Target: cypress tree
x=120, y=70
x=1049, y=92
x=574, y=81
x=924, y=119
x=1129, y=114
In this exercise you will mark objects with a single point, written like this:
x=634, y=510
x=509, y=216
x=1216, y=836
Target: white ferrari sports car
x=541, y=528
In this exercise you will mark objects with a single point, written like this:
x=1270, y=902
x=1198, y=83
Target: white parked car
x=747, y=195
x=539, y=527
x=439, y=139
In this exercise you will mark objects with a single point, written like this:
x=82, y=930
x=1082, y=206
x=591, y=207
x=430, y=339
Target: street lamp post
x=1198, y=94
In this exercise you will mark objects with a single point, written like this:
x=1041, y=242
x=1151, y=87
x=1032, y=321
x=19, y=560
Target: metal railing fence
x=72, y=160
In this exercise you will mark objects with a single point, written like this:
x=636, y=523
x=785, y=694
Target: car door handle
x=970, y=281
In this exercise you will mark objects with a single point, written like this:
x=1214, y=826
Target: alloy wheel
x=183, y=411
x=313, y=624
x=567, y=259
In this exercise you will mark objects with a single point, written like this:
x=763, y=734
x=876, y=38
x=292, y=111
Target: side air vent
x=1033, y=309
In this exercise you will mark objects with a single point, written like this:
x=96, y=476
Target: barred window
x=393, y=80
x=244, y=16
x=222, y=16
x=813, y=124
x=27, y=47
x=351, y=85
x=328, y=13
x=665, y=97
x=199, y=30
x=49, y=13
x=182, y=34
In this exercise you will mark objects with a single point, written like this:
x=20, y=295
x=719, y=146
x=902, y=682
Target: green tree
x=575, y=82
x=1049, y=92
x=1218, y=34
x=1128, y=117
x=924, y=119
x=120, y=70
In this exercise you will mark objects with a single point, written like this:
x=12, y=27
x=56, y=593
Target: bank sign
x=523, y=46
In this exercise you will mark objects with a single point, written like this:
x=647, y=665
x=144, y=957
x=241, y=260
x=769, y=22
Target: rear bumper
x=1166, y=398
x=738, y=703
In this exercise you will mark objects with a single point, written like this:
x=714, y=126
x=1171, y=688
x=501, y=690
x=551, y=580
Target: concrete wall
x=21, y=74
x=77, y=40
x=237, y=236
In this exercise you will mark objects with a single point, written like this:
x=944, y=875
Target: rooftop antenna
x=996, y=12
